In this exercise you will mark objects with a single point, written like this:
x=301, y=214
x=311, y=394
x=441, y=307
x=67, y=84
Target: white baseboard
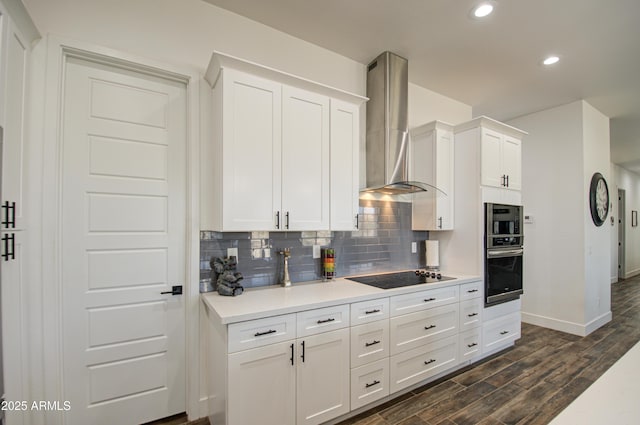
x=632, y=273
x=203, y=407
x=614, y=279
x=566, y=326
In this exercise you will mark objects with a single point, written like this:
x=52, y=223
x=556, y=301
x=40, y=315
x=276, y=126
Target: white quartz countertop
x=274, y=300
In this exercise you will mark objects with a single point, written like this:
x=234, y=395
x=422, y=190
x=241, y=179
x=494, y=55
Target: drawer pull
x=430, y=361
x=471, y=291
x=270, y=331
x=504, y=332
x=472, y=314
x=429, y=299
x=372, y=311
x=376, y=382
x=369, y=344
x=429, y=327
x=331, y=319
x=291, y=355
x=473, y=344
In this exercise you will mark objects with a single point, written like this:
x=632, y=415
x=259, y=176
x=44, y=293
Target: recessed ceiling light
x=550, y=60
x=482, y=10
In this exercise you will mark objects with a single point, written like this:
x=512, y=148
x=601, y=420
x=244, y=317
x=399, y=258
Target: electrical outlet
x=414, y=247
x=316, y=251
x=233, y=252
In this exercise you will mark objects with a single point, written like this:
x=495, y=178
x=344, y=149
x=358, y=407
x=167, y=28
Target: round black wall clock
x=598, y=199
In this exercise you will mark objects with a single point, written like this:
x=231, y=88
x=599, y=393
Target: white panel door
x=305, y=160
x=491, y=167
x=123, y=243
x=323, y=377
x=511, y=162
x=251, y=126
x=345, y=157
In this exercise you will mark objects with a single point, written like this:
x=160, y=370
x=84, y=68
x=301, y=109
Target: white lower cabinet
x=369, y=383
x=258, y=372
x=312, y=366
x=416, y=365
x=322, y=377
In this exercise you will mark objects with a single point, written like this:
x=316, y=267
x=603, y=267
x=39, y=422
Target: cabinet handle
x=369, y=344
x=471, y=291
x=429, y=327
x=430, y=361
x=331, y=319
x=472, y=314
x=429, y=299
x=277, y=219
x=291, y=355
x=507, y=181
x=376, y=382
x=286, y=220
x=9, y=247
x=376, y=310
x=9, y=208
x=357, y=221
x=302, y=356
x=270, y=331
x=472, y=344
x=504, y=332
x=439, y=222
x=504, y=180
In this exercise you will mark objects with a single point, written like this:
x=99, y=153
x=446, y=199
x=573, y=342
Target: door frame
x=622, y=228
x=56, y=53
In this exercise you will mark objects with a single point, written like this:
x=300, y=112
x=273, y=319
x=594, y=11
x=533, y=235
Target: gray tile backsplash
x=383, y=243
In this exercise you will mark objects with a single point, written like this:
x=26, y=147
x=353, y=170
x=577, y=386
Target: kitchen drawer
x=471, y=290
x=416, y=301
x=369, y=342
x=413, y=330
x=500, y=333
x=471, y=313
x=416, y=365
x=470, y=343
x=259, y=332
x=369, y=383
x=320, y=320
x=369, y=311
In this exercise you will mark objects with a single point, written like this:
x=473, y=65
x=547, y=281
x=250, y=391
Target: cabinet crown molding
x=220, y=61
x=431, y=126
x=492, y=124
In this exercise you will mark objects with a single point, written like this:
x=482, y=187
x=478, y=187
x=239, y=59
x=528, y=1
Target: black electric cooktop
x=399, y=279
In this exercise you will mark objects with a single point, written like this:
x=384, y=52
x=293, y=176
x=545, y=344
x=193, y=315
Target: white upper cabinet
x=501, y=160
x=345, y=151
x=266, y=154
x=432, y=162
x=500, y=151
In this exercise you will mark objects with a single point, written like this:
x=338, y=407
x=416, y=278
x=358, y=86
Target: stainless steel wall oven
x=503, y=253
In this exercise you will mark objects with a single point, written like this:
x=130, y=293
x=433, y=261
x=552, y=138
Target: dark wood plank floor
x=527, y=384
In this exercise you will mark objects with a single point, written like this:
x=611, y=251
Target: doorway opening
x=621, y=233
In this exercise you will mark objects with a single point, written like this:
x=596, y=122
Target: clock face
x=598, y=199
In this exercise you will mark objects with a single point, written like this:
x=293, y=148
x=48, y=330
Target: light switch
x=414, y=247
x=316, y=251
x=233, y=252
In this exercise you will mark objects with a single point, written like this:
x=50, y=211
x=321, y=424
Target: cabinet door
x=251, y=143
x=322, y=377
x=444, y=180
x=491, y=167
x=305, y=160
x=511, y=162
x=262, y=386
x=423, y=164
x=15, y=72
x=345, y=142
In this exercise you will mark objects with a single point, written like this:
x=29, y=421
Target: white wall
x=596, y=154
x=630, y=182
x=552, y=186
x=426, y=106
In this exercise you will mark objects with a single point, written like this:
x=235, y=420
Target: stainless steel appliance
x=503, y=253
x=400, y=279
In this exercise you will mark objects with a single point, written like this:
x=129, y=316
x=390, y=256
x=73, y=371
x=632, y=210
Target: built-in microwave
x=503, y=253
x=503, y=225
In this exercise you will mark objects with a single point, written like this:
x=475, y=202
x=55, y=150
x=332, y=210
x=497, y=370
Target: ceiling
x=492, y=65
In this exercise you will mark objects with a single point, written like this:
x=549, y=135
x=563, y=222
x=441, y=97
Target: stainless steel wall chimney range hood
x=387, y=127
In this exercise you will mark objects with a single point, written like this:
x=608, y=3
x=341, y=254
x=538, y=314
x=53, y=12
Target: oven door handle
x=505, y=253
